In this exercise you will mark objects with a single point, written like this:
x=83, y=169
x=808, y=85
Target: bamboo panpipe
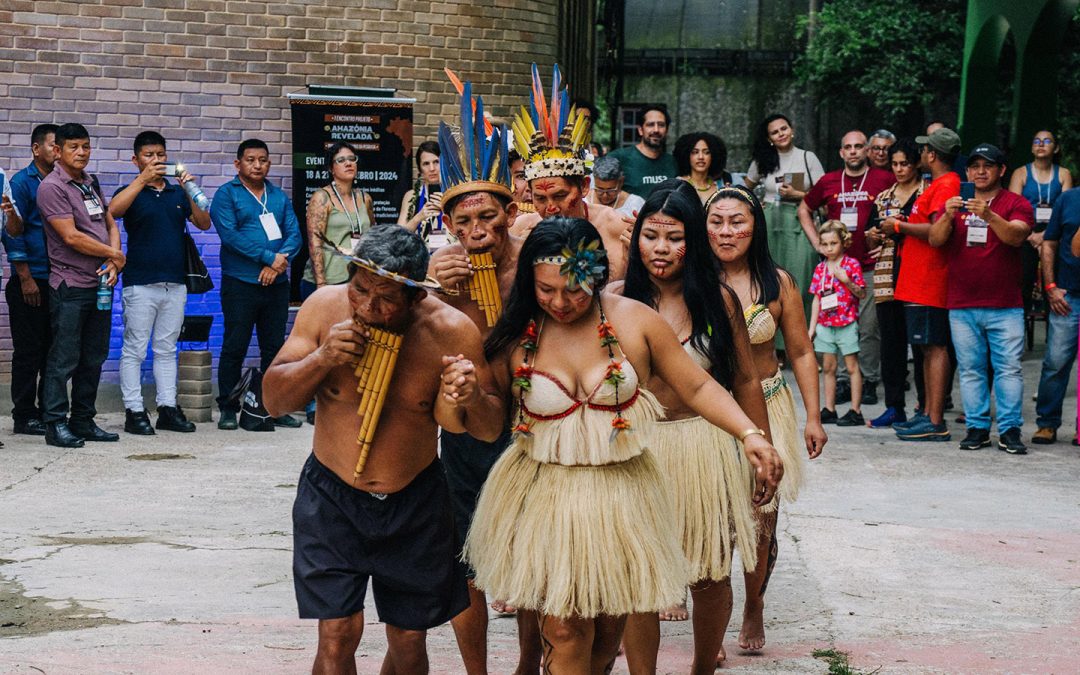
x=374, y=372
x=484, y=286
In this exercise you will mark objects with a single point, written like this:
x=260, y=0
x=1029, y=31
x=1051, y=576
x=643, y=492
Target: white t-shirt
x=795, y=160
x=633, y=203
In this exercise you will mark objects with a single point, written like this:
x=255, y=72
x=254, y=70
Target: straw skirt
x=577, y=541
x=710, y=489
x=785, y=437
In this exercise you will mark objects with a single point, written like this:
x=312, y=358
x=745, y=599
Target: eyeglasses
x=1043, y=141
x=348, y=159
x=879, y=148
x=606, y=191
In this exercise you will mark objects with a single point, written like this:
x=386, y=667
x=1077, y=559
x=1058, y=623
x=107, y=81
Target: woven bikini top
x=759, y=323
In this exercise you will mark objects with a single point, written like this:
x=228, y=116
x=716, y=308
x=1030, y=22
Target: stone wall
x=209, y=73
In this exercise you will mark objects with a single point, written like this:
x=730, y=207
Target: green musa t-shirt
x=643, y=174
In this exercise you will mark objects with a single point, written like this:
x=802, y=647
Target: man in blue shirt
x=260, y=235
x=1061, y=279
x=27, y=290
x=155, y=214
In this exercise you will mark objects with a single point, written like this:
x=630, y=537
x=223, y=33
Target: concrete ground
x=172, y=555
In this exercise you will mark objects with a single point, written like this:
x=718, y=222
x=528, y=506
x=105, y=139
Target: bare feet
x=675, y=613
x=720, y=658
x=502, y=609
x=752, y=634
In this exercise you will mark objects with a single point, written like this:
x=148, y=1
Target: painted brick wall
x=209, y=73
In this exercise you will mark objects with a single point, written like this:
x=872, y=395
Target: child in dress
x=837, y=286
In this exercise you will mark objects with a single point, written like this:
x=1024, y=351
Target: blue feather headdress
x=473, y=161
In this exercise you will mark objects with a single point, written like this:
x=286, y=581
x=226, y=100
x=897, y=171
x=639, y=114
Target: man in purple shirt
x=84, y=244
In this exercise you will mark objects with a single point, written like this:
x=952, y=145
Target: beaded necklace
x=613, y=376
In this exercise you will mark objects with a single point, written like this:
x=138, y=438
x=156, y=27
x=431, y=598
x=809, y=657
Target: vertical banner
x=379, y=127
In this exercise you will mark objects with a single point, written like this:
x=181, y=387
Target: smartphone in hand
x=967, y=191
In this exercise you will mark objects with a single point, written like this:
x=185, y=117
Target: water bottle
x=194, y=191
x=104, y=292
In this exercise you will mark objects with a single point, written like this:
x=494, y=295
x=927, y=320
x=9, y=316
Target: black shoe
x=949, y=403
x=975, y=439
x=137, y=423
x=1009, y=441
x=58, y=434
x=851, y=419
x=227, y=421
x=287, y=421
x=311, y=418
x=869, y=393
x=171, y=418
x=31, y=427
x=828, y=416
x=89, y=431
x=843, y=392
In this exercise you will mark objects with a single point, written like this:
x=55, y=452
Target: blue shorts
x=927, y=325
x=404, y=542
x=833, y=339
x=468, y=461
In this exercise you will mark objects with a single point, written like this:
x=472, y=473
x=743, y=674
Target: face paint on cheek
x=680, y=253
x=744, y=234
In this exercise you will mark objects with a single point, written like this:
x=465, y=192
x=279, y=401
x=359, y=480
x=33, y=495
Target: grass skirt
x=706, y=471
x=785, y=437
x=577, y=541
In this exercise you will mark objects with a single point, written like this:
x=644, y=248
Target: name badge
x=270, y=226
x=1043, y=213
x=849, y=216
x=829, y=300
x=93, y=206
x=356, y=235
x=977, y=231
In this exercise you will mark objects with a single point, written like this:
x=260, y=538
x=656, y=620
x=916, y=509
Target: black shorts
x=468, y=461
x=927, y=325
x=405, y=542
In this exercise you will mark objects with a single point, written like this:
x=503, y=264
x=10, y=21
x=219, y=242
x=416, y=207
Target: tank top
x=1041, y=193
x=339, y=229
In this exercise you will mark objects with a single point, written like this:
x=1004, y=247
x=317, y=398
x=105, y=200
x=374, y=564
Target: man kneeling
x=391, y=519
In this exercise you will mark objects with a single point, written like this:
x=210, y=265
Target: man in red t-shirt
x=921, y=285
x=982, y=238
x=848, y=195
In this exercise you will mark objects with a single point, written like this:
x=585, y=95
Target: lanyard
x=265, y=197
x=356, y=208
x=86, y=191
x=855, y=201
x=1038, y=188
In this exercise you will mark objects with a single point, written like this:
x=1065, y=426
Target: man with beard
x=478, y=208
x=648, y=163
x=848, y=195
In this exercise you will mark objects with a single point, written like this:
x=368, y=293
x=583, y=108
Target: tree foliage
x=899, y=56
x=1068, y=103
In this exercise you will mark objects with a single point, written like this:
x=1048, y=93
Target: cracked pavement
x=172, y=554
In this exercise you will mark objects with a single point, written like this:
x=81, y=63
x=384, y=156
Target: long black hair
x=764, y=153
x=548, y=238
x=684, y=146
x=711, y=333
x=764, y=272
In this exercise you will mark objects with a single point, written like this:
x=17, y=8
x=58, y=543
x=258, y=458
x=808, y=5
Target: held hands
x=344, y=344
x=452, y=270
x=768, y=468
x=267, y=275
x=816, y=438
x=1058, y=304
x=458, y=381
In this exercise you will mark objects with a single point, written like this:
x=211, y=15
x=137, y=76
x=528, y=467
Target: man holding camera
x=155, y=214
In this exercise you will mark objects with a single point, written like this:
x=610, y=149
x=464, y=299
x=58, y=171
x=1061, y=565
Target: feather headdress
x=552, y=140
x=472, y=160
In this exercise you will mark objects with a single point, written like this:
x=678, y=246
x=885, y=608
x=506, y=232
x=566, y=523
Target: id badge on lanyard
x=977, y=231
x=90, y=200
x=1043, y=212
x=270, y=226
x=849, y=216
x=830, y=300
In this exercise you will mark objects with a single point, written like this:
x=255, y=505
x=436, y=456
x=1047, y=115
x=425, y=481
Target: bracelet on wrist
x=750, y=432
x=1050, y=286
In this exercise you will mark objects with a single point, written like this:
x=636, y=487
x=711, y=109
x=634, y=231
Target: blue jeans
x=999, y=334
x=1057, y=364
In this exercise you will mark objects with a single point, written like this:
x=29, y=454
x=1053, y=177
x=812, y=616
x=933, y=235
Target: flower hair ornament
x=582, y=266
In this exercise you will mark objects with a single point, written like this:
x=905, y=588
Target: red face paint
x=544, y=185
x=680, y=252
x=744, y=234
x=472, y=200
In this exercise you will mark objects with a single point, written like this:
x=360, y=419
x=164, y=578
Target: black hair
x=908, y=147
x=586, y=104
x=248, y=145
x=395, y=249
x=39, y=133
x=146, y=138
x=658, y=107
x=548, y=238
x=711, y=333
x=685, y=145
x=430, y=147
x=448, y=205
x=677, y=184
x=764, y=154
x=334, y=149
x=764, y=272
x=71, y=131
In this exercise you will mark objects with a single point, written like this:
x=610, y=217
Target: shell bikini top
x=606, y=427
x=703, y=361
x=759, y=323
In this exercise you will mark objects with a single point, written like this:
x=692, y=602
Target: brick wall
x=209, y=73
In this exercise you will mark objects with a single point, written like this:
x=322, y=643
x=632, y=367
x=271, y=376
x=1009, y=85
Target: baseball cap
x=942, y=140
x=990, y=153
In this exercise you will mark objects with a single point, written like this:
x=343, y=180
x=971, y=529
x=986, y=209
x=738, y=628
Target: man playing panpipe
x=477, y=208
x=392, y=522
